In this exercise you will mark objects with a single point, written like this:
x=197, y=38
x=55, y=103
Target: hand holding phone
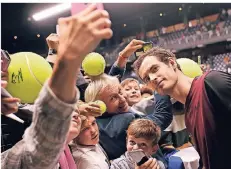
x=146, y=46
x=132, y=47
x=152, y=163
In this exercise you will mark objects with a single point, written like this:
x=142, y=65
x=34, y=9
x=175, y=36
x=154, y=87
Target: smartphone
x=78, y=7
x=146, y=46
x=138, y=156
x=5, y=57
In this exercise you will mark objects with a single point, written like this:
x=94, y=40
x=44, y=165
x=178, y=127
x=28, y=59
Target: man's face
x=75, y=126
x=113, y=97
x=158, y=75
x=89, y=134
x=132, y=91
x=141, y=143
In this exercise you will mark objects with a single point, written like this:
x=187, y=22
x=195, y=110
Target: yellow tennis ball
x=94, y=64
x=189, y=67
x=102, y=105
x=27, y=74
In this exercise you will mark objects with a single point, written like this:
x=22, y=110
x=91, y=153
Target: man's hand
x=53, y=41
x=89, y=109
x=150, y=164
x=131, y=48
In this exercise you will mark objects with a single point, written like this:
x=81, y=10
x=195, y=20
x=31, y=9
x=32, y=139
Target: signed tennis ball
x=27, y=74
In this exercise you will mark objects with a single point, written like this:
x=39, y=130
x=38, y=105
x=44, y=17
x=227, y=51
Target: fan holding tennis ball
x=95, y=109
x=102, y=105
x=94, y=64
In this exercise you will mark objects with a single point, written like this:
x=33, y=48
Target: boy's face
x=132, y=90
x=89, y=134
x=141, y=143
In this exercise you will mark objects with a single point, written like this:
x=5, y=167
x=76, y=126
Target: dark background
x=16, y=20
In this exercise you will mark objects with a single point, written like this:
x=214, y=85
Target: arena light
x=200, y=45
x=51, y=11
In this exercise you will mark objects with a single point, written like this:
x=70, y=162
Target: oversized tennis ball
x=27, y=74
x=94, y=64
x=189, y=67
x=102, y=105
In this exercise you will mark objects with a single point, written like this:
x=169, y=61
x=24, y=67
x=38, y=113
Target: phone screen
x=5, y=57
x=138, y=156
x=146, y=46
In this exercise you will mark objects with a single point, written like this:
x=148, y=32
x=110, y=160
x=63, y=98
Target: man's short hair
x=162, y=54
x=145, y=128
x=128, y=80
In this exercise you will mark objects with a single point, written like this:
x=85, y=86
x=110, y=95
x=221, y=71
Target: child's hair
x=128, y=80
x=145, y=128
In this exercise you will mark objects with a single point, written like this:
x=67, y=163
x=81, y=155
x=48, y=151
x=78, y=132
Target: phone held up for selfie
x=5, y=57
x=146, y=46
x=138, y=156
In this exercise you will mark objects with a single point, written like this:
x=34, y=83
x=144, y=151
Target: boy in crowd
x=132, y=92
x=131, y=88
x=142, y=134
x=87, y=152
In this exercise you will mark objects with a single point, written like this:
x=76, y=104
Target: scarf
x=66, y=160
